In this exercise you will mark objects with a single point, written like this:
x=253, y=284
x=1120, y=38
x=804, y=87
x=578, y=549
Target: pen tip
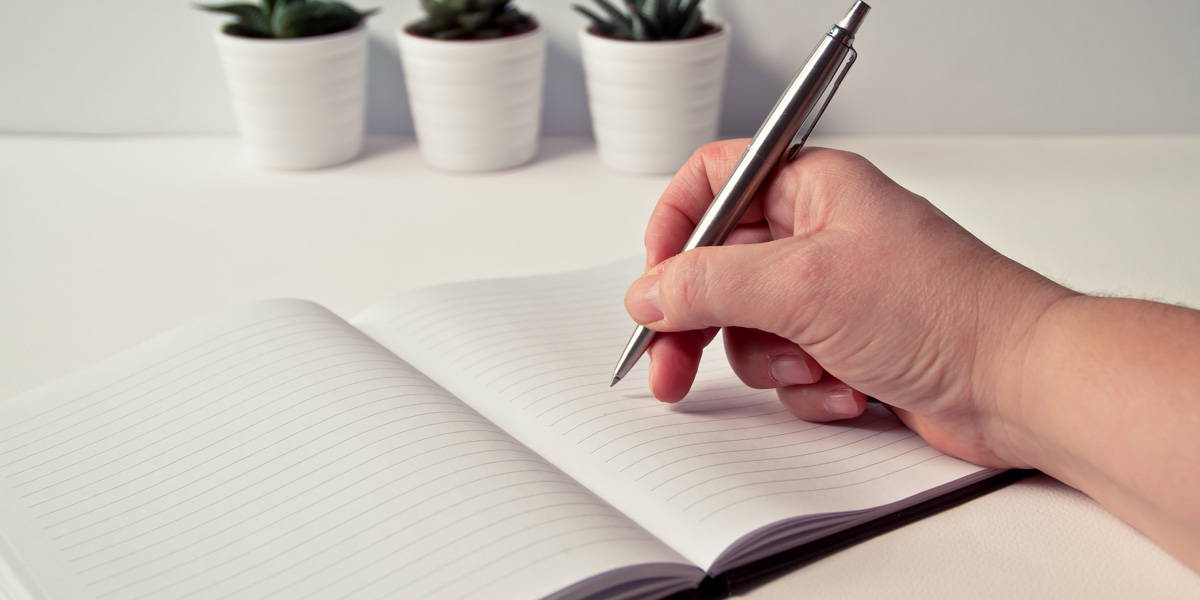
x=614, y=381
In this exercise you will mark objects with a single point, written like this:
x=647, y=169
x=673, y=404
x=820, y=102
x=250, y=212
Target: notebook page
x=535, y=355
x=274, y=451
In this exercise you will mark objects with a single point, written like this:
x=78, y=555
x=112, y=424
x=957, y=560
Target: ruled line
x=84, y=416
x=224, y=515
x=760, y=496
x=776, y=481
x=66, y=404
x=120, y=441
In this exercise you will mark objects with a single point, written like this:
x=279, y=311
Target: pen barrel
x=771, y=141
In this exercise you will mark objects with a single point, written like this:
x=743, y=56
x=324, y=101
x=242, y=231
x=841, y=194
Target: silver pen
x=798, y=110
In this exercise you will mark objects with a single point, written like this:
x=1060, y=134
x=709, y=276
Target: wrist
x=1018, y=312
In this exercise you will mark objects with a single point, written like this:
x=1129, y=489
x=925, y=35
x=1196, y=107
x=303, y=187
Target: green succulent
x=289, y=18
x=471, y=19
x=648, y=20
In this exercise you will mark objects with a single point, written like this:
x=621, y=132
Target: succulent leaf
x=613, y=12
x=314, y=17
x=470, y=19
x=438, y=10
x=597, y=21
x=641, y=27
x=648, y=20
x=251, y=22
x=655, y=11
x=692, y=26
x=449, y=34
x=473, y=21
x=289, y=18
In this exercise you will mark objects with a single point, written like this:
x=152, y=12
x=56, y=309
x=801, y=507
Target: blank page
x=535, y=355
x=276, y=452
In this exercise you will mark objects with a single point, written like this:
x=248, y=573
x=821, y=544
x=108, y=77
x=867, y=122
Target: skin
x=839, y=284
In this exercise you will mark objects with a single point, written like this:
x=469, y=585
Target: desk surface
x=107, y=241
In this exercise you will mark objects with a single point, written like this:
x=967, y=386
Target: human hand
x=838, y=284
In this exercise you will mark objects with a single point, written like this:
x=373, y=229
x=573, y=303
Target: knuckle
x=715, y=156
x=827, y=163
x=828, y=175
x=718, y=150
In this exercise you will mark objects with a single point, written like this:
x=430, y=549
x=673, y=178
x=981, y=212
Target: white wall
x=926, y=66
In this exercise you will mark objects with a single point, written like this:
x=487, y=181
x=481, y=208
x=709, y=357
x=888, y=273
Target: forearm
x=1108, y=401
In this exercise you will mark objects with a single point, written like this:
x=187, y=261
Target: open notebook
x=458, y=441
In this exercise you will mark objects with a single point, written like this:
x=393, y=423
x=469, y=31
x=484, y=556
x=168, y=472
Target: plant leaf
x=473, y=20
x=316, y=17
x=643, y=29
x=235, y=29
x=434, y=9
x=692, y=26
x=602, y=26
x=511, y=17
x=686, y=8
x=249, y=17
x=654, y=11
x=618, y=18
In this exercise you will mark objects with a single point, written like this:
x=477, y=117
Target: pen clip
x=812, y=123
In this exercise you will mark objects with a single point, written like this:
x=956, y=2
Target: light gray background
x=927, y=66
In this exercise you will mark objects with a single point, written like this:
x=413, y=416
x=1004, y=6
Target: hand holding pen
x=836, y=283
x=796, y=112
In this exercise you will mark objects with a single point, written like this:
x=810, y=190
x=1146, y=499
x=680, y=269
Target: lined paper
x=276, y=452
x=535, y=355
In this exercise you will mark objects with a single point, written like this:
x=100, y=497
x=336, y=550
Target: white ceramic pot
x=300, y=103
x=476, y=104
x=654, y=103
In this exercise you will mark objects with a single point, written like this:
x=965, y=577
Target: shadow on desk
x=377, y=146
x=550, y=151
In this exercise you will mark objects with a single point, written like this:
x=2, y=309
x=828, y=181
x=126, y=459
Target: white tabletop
x=107, y=241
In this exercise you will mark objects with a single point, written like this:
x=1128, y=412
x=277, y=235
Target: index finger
x=687, y=197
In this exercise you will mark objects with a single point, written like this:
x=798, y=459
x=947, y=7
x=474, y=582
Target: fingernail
x=643, y=300
x=792, y=369
x=840, y=403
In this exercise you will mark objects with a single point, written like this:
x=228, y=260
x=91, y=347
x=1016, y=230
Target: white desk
x=107, y=241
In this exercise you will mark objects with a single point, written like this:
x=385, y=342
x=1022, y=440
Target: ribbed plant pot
x=654, y=103
x=476, y=104
x=300, y=103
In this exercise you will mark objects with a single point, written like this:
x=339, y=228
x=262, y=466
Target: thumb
x=762, y=286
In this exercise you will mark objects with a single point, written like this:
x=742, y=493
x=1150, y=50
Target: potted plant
x=655, y=73
x=297, y=73
x=474, y=73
